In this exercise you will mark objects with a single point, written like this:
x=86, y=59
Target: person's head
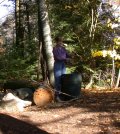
x=58, y=39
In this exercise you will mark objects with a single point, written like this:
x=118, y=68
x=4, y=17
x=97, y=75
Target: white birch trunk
x=118, y=80
x=46, y=33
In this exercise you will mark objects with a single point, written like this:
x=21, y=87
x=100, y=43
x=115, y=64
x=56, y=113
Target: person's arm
x=68, y=56
x=54, y=53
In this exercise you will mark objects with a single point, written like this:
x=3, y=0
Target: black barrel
x=71, y=86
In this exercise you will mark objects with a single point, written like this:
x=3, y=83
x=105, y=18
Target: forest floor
x=97, y=112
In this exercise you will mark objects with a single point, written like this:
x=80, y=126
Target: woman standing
x=60, y=57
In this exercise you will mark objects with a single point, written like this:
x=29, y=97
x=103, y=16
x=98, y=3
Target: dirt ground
x=97, y=112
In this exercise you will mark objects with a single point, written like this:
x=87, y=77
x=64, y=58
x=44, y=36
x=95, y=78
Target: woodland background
x=90, y=34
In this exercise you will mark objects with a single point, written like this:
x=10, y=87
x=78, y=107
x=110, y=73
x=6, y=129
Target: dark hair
x=58, y=38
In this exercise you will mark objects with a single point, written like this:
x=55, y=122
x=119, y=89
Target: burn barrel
x=71, y=86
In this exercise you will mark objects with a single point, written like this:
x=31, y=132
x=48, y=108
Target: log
x=43, y=96
x=16, y=84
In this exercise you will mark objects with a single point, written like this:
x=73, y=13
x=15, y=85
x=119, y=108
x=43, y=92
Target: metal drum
x=71, y=86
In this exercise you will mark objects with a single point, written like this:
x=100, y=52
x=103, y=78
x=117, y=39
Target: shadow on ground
x=11, y=125
x=97, y=110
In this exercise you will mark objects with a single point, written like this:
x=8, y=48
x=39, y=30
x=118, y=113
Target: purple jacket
x=59, y=53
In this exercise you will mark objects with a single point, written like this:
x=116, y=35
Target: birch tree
x=46, y=39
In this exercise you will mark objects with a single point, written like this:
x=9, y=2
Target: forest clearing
x=89, y=49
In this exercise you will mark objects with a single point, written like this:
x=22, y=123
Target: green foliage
x=15, y=67
x=73, y=20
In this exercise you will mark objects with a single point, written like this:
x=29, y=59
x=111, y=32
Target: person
x=60, y=56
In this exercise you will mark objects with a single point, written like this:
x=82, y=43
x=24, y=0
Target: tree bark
x=47, y=41
x=19, y=28
x=118, y=80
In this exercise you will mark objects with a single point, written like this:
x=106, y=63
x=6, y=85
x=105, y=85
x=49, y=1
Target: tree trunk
x=28, y=22
x=17, y=20
x=47, y=41
x=19, y=28
x=42, y=59
x=118, y=80
x=113, y=72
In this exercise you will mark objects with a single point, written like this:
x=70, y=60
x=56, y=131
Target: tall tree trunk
x=118, y=80
x=28, y=22
x=113, y=71
x=42, y=59
x=17, y=20
x=19, y=28
x=47, y=41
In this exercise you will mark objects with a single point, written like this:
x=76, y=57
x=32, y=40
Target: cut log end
x=43, y=96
